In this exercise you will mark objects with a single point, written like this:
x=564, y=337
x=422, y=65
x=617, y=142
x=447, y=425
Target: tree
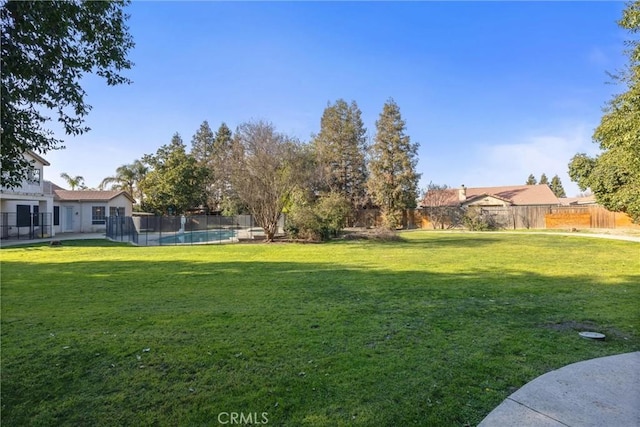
x=129, y=178
x=73, y=181
x=441, y=205
x=318, y=219
x=202, y=151
x=340, y=149
x=531, y=180
x=202, y=144
x=393, y=181
x=614, y=175
x=223, y=197
x=544, y=179
x=174, y=183
x=264, y=171
x=556, y=187
x=47, y=48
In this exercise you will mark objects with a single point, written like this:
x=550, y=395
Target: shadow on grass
x=454, y=241
x=310, y=342
x=445, y=241
x=177, y=342
x=94, y=243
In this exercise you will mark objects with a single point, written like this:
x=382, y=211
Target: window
x=97, y=215
x=23, y=216
x=113, y=211
x=33, y=176
x=56, y=215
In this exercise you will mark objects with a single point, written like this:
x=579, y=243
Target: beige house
x=513, y=206
x=85, y=211
x=512, y=195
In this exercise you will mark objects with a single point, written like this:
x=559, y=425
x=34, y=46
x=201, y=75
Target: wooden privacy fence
x=587, y=217
x=513, y=217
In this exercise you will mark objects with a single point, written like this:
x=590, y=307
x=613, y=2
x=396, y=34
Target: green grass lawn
x=436, y=329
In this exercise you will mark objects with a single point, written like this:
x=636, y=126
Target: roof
x=50, y=187
x=586, y=200
x=38, y=158
x=89, y=195
x=518, y=195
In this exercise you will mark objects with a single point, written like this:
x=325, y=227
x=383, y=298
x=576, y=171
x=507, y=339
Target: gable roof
x=448, y=197
x=518, y=195
x=38, y=158
x=88, y=195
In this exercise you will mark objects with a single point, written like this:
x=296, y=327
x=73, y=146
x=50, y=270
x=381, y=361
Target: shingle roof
x=517, y=195
x=586, y=200
x=89, y=195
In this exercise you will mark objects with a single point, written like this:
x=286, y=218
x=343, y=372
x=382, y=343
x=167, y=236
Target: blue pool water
x=203, y=236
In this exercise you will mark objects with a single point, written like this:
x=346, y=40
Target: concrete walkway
x=598, y=392
x=627, y=237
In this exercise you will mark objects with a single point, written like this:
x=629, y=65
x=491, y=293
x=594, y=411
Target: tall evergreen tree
x=556, y=187
x=544, y=179
x=223, y=198
x=174, y=182
x=223, y=141
x=393, y=181
x=340, y=148
x=531, y=180
x=202, y=144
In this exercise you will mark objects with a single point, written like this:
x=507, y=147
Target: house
x=39, y=208
x=579, y=201
x=85, y=211
x=517, y=206
x=27, y=210
x=513, y=195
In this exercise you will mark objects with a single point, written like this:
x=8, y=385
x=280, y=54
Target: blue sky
x=492, y=91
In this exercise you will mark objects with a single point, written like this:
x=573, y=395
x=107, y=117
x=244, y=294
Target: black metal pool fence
x=148, y=230
x=25, y=226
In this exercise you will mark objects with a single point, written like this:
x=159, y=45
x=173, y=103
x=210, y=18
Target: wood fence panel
x=568, y=220
x=534, y=217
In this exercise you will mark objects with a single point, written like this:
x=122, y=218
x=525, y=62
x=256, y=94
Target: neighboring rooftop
x=517, y=195
x=572, y=201
x=63, y=195
x=89, y=195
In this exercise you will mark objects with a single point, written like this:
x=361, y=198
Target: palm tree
x=128, y=178
x=75, y=181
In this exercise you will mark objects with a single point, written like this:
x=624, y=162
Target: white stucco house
x=39, y=208
x=85, y=211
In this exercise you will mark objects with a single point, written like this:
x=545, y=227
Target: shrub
x=321, y=220
x=477, y=219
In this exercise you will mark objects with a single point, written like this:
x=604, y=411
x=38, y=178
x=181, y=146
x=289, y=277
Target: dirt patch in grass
x=379, y=234
x=587, y=325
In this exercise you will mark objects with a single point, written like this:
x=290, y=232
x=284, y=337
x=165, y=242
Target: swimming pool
x=194, y=237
